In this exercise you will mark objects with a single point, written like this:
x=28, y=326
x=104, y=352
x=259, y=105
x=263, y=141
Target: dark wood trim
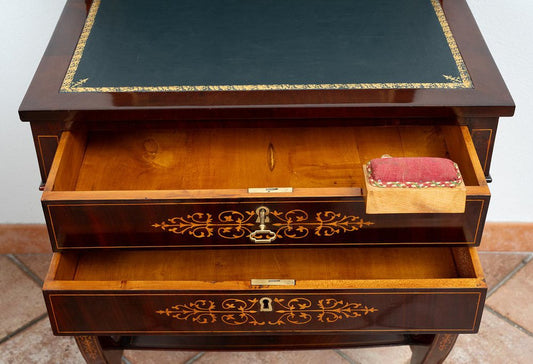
x=483, y=132
x=437, y=350
x=92, y=351
x=488, y=98
x=46, y=139
x=262, y=342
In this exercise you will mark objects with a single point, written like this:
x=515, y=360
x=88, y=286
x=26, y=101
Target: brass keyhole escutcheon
x=262, y=216
x=265, y=304
x=262, y=235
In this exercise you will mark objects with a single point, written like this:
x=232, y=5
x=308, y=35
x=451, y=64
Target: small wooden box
x=384, y=200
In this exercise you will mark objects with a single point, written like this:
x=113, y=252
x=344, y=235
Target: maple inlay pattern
x=294, y=224
x=297, y=311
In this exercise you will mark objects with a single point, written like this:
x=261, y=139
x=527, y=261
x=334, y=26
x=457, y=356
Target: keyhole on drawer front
x=266, y=304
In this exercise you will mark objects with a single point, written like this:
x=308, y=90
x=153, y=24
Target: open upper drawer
x=241, y=290
x=247, y=187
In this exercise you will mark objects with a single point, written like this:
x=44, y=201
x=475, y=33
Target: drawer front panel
x=230, y=224
x=156, y=313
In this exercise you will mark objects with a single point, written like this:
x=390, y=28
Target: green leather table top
x=201, y=45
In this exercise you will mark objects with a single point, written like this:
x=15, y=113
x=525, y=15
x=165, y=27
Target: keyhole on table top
x=266, y=304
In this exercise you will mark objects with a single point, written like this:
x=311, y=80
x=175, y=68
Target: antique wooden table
x=202, y=173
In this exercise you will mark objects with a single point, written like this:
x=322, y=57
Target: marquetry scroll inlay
x=296, y=311
x=228, y=224
x=294, y=224
x=300, y=311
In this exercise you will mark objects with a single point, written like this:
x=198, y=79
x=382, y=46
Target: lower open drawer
x=266, y=290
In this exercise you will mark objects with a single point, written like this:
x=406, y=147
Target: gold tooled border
x=69, y=85
x=466, y=82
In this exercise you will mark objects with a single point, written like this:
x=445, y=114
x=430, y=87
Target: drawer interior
x=211, y=158
x=234, y=265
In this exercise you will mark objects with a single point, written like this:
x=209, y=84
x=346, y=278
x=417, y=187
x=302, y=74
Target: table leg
x=92, y=351
x=437, y=350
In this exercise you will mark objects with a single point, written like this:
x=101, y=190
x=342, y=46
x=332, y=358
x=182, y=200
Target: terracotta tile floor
x=505, y=335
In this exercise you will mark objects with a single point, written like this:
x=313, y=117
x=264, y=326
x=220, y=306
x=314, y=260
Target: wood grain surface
x=240, y=158
x=199, y=291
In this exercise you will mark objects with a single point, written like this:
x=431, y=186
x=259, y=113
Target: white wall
x=26, y=26
x=506, y=26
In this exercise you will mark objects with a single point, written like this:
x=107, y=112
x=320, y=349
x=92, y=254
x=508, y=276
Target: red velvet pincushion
x=420, y=172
